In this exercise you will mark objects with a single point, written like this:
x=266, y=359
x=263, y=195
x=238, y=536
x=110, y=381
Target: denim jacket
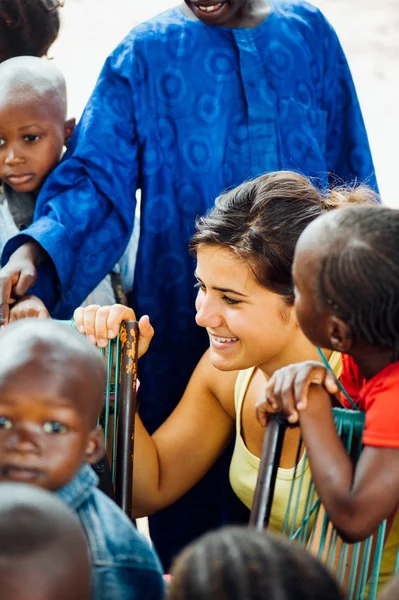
x=124, y=565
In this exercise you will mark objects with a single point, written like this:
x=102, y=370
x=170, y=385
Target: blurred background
x=368, y=30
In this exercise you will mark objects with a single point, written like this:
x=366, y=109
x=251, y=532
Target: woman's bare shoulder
x=219, y=383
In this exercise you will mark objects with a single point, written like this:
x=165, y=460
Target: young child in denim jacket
x=38, y=530
x=51, y=391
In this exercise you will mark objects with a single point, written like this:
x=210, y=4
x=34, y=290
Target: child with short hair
x=238, y=563
x=346, y=277
x=51, y=391
x=43, y=550
x=33, y=132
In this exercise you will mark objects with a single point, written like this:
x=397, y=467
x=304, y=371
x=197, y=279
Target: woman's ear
x=340, y=334
x=288, y=313
x=95, y=449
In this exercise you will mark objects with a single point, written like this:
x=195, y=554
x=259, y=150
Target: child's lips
x=20, y=473
x=22, y=179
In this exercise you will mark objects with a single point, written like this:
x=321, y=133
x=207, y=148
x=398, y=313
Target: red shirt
x=378, y=397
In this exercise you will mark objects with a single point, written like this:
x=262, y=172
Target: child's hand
x=29, y=306
x=101, y=323
x=18, y=275
x=287, y=389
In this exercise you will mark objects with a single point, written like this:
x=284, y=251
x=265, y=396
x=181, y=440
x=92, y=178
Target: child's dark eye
x=32, y=137
x=54, y=427
x=5, y=423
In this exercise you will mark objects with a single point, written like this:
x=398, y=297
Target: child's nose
x=13, y=157
x=23, y=441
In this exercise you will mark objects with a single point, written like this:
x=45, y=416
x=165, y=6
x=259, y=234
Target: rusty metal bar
x=128, y=336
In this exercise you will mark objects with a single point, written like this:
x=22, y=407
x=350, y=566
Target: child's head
x=347, y=279
x=33, y=126
x=43, y=550
x=52, y=384
x=245, y=248
x=239, y=563
x=27, y=27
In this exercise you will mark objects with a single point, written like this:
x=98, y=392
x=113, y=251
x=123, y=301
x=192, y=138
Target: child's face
x=32, y=136
x=45, y=430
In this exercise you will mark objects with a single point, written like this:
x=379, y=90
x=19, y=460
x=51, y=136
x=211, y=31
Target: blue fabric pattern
x=124, y=565
x=184, y=111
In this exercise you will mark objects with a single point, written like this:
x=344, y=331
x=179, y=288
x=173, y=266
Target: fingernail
x=111, y=333
x=91, y=339
x=81, y=328
x=102, y=343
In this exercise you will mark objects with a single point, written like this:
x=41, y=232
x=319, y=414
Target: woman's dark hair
x=358, y=276
x=239, y=563
x=27, y=27
x=260, y=221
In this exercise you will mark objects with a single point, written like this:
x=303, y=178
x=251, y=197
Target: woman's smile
x=222, y=342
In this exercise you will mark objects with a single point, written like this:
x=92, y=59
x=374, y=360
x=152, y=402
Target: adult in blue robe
x=183, y=110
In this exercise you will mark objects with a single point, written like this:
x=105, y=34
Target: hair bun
x=343, y=195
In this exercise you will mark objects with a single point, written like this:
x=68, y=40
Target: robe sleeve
x=85, y=210
x=347, y=146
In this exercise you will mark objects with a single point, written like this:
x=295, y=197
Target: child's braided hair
x=237, y=563
x=27, y=27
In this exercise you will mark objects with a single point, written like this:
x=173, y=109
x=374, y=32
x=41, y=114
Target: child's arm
x=101, y=323
x=357, y=499
x=29, y=306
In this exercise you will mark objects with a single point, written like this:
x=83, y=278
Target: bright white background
x=369, y=33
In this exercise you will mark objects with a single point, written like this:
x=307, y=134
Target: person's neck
x=255, y=13
x=298, y=349
x=371, y=360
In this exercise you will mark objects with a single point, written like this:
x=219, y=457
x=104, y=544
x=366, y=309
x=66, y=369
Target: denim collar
x=78, y=490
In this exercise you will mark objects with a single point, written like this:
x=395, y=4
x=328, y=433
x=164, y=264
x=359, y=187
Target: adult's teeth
x=209, y=9
x=221, y=340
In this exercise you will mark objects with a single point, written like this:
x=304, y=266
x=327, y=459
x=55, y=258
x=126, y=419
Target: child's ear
x=69, y=127
x=340, y=334
x=95, y=449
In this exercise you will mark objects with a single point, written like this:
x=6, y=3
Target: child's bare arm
x=357, y=499
x=29, y=306
x=101, y=323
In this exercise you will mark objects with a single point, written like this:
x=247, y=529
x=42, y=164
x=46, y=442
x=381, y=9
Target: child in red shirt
x=346, y=273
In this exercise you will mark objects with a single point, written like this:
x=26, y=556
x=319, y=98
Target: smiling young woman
x=244, y=248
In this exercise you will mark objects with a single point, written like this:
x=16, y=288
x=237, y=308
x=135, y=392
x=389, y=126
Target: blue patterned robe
x=183, y=111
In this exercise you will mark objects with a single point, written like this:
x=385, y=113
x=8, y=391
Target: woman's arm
x=357, y=499
x=183, y=449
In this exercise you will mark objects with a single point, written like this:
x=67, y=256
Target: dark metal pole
x=128, y=335
x=270, y=460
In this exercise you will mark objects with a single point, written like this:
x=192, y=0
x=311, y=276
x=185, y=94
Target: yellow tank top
x=244, y=468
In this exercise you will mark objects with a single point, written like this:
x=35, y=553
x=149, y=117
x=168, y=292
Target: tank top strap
x=240, y=389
